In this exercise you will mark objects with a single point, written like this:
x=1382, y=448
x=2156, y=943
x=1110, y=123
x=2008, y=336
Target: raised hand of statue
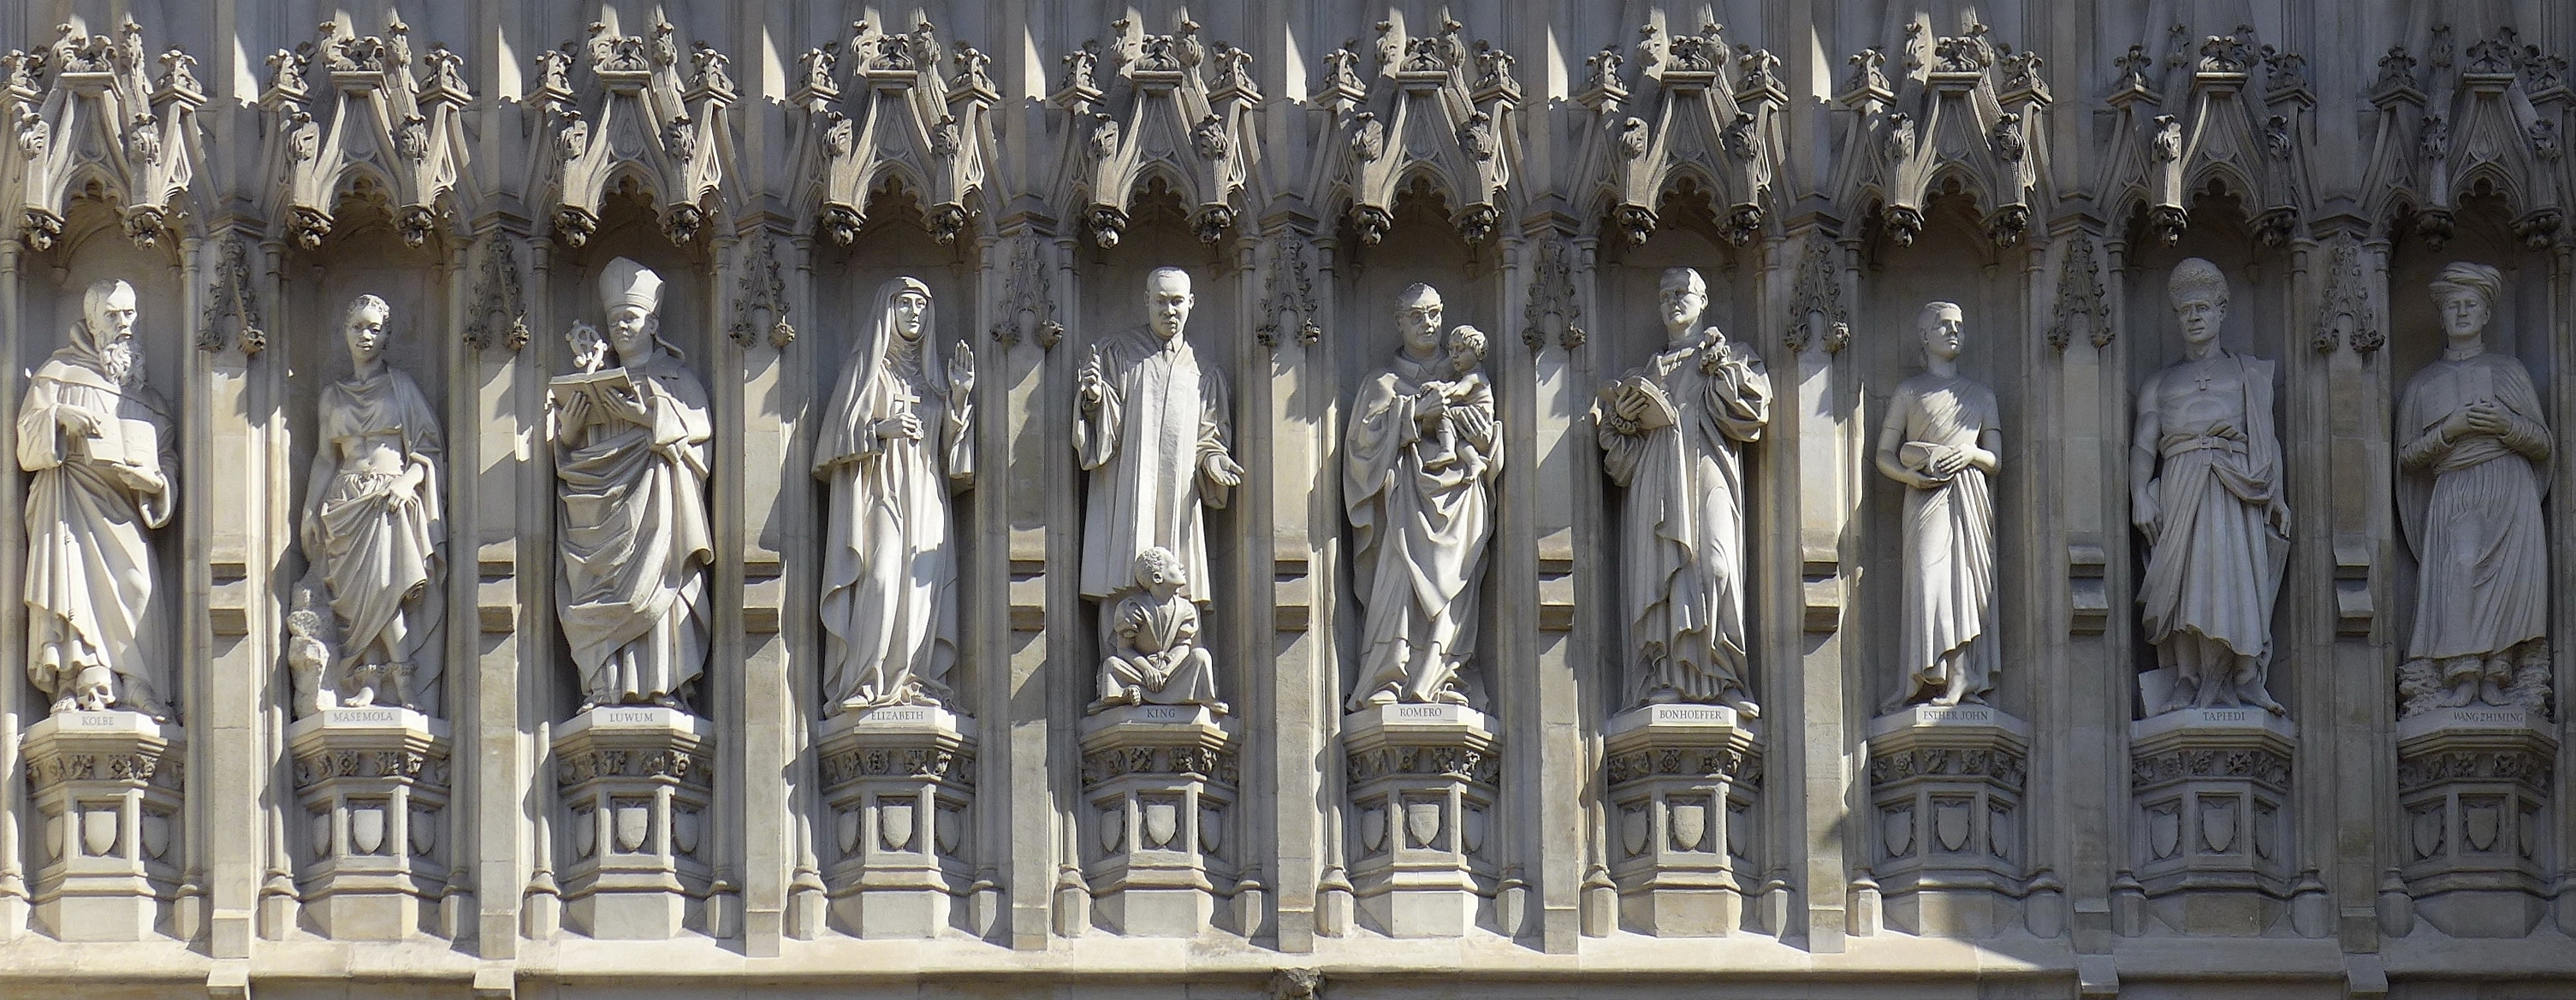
x=902, y=425
x=1094, y=382
x=1714, y=354
x=961, y=369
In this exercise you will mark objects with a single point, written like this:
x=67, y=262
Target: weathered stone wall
x=1827, y=167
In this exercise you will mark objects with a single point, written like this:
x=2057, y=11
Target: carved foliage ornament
x=2234, y=122
x=1154, y=113
x=2345, y=317
x=102, y=117
x=904, y=115
x=229, y=299
x=759, y=287
x=1552, y=297
x=378, y=121
x=2489, y=123
x=498, y=301
x=1026, y=298
x=1816, y=301
x=1288, y=296
x=644, y=114
x=2080, y=301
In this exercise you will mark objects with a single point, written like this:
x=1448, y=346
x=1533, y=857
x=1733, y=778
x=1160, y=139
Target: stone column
x=232, y=485
x=1807, y=504
x=14, y=711
x=1291, y=388
x=500, y=521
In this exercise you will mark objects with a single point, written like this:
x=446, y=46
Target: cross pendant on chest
x=2201, y=380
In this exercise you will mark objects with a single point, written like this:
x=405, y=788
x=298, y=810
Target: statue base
x=897, y=781
x=2212, y=790
x=1682, y=780
x=635, y=787
x=2474, y=783
x=1160, y=780
x=1946, y=784
x=1422, y=784
x=373, y=785
x=105, y=787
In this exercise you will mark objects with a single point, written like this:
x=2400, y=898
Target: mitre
x=627, y=283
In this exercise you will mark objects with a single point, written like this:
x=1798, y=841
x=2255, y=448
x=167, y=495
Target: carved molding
x=1964, y=108
x=758, y=287
x=408, y=765
x=2489, y=121
x=2004, y=767
x=499, y=300
x=1552, y=296
x=102, y=118
x=633, y=119
x=1465, y=763
x=2345, y=316
x=231, y=300
x=1154, y=113
x=1816, y=301
x=945, y=765
x=573, y=768
x=1436, y=109
x=2080, y=300
x=1288, y=295
x=1027, y=297
x=46, y=769
x=374, y=120
x=2225, y=111
x=2528, y=768
x=902, y=116
x=1742, y=766
x=1706, y=114
x=1203, y=762
x=2263, y=767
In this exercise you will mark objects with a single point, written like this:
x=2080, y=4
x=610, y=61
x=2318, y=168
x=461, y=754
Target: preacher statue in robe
x=103, y=460
x=373, y=533
x=2473, y=444
x=1419, y=463
x=1942, y=441
x=1673, y=433
x=2207, y=493
x=631, y=463
x=897, y=440
x=1151, y=428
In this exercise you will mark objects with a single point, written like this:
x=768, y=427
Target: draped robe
x=1681, y=534
x=379, y=558
x=2215, y=564
x=90, y=590
x=889, y=575
x=2471, y=510
x=636, y=543
x=1144, y=447
x=1418, y=535
x=1949, y=539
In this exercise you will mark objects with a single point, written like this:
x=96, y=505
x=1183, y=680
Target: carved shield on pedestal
x=845, y=830
x=1162, y=823
x=424, y=831
x=684, y=829
x=634, y=825
x=1113, y=829
x=367, y=829
x=54, y=836
x=2523, y=836
x=1422, y=823
x=2164, y=830
x=98, y=831
x=1896, y=830
x=1373, y=829
x=945, y=823
x=321, y=823
x=1634, y=827
x=1472, y=829
x=1950, y=823
x=2218, y=825
x=1211, y=829
x=585, y=832
x=156, y=833
x=2428, y=832
x=2480, y=822
x=1690, y=825
x=894, y=824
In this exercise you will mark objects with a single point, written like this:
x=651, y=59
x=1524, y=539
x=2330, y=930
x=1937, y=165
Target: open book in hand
x=135, y=443
x=592, y=389
x=1657, y=410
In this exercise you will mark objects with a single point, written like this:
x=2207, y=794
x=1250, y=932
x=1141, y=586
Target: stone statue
x=1673, y=433
x=2474, y=446
x=899, y=437
x=1418, y=472
x=2207, y=493
x=1155, y=657
x=99, y=445
x=1151, y=427
x=373, y=532
x=1942, y=442
x=631, y=459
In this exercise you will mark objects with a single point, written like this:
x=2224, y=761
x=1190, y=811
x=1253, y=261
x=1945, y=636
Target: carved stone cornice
x=575, y=767
x=1160, y=108
x=955, y=767
x=2488, y=122
x=1194, y=761
x=1435, y=110
x=1552, y=300
x=2262, y=766
x=1472, y=763
x=1736, y=763
x=2530, y=768
x=1705, y=113
x=2230, y=112
x=637, y=115
x=145, y=766
x=102, y=118
x=2003, y=766
x=406, y=764
x=373, y=120
x=901, y=116
x=1965, y=108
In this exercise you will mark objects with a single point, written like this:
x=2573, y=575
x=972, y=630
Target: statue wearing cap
x=631, y=460
x=2206, y=490
x=2474, y=449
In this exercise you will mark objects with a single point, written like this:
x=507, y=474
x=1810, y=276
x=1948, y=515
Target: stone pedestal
x=634, y=783
x=372, y=784
x=1682, y=780
x=1160, y=780
x=1946, y=790
x=896, y=782
x=2474, y=784
x=2212, y=790
x=106, y=790
x=1422, y=797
